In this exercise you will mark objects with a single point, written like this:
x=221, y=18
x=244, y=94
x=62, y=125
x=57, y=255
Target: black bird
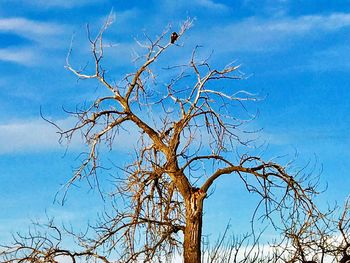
x=173, y=37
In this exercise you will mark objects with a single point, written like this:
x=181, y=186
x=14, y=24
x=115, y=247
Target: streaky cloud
x=23, y=56
x=33, y=135
x=58, y=3
x=255, y=34
x=30, y=29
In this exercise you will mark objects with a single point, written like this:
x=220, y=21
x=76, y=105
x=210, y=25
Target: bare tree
x=325, y=238
x=187, y=137
x=319, y=239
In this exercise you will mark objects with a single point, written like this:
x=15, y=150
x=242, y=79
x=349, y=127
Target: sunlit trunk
x=193, y=230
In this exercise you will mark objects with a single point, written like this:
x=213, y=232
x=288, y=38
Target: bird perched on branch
x=173, y=37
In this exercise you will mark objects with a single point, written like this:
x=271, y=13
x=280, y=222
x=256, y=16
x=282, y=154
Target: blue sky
x=296, y=54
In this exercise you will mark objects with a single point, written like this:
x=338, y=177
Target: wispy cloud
x=305, y=24
x=29, y=28
x=334, y=58
x=184, y=6
x=211, y=4
x=58, y=3
x=31, y=135
x=24, y=56
x=257, y=34
x=26, y=136
x=44, y=37
x=37, y=135
x=275, y=8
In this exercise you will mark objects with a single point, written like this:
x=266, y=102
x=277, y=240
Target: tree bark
x=193, y=229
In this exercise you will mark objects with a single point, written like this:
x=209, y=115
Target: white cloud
x=57, y=3
x=256, y=34
x=273, y=8
x=35, y=135
x=23, y=136
x=38, y=135
x=184, y=5
x=24, y=56
x=29, y=28
x=211, y=4
x=46, y=36
x=304, y=24
x=334, y=58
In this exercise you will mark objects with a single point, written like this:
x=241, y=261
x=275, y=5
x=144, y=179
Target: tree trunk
x=193, y=229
